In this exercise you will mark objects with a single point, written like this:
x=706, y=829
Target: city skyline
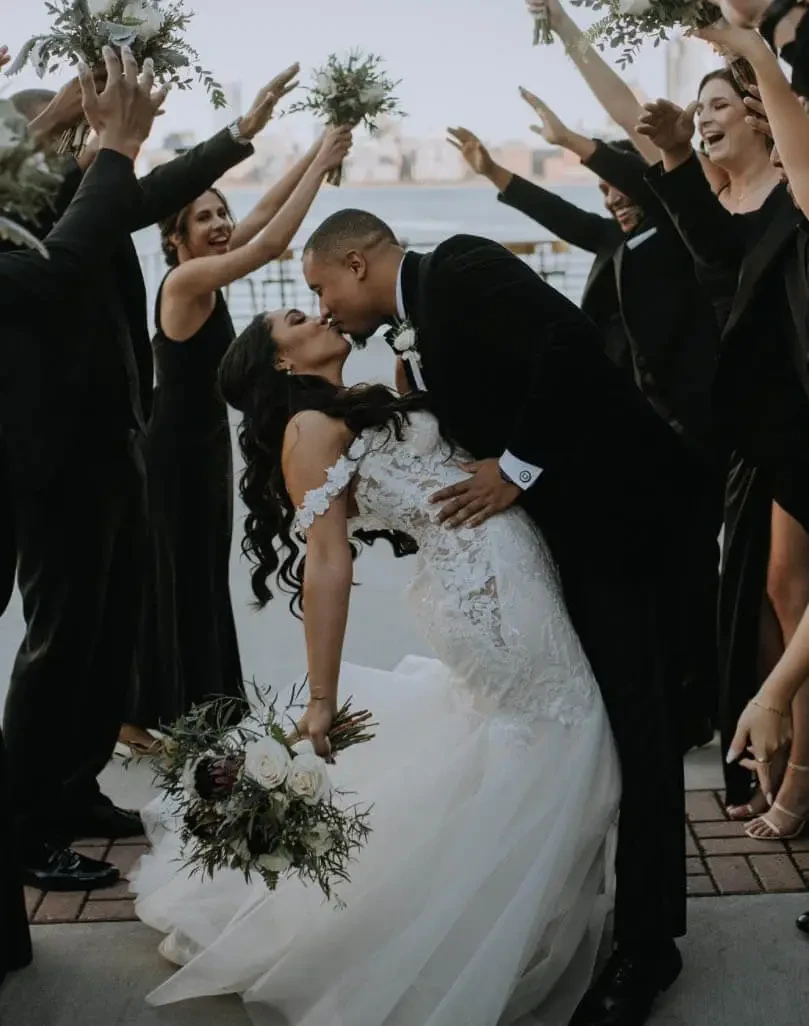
x=459, y=62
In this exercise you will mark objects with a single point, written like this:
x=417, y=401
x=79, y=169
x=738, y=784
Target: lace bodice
x=487, y=598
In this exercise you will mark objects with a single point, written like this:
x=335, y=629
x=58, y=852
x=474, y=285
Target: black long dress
x=188, y=651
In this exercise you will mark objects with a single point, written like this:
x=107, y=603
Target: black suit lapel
x=601, y=263
x=776, y=236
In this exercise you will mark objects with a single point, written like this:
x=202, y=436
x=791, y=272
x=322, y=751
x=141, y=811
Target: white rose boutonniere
x=405, y=344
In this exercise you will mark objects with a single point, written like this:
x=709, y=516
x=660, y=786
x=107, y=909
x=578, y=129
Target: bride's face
x=306, y=345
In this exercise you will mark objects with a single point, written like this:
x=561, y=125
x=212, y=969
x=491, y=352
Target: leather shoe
x=627, y=988
x=62, y=869
x=106, y=821
x=802, y=922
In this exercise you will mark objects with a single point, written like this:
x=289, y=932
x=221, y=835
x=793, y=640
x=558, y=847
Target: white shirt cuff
x=521, y=473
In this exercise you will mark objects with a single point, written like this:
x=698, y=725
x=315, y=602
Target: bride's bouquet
x=348, y=93
x=253, y=799
x=629, y=23
x=151, y=28
x=28, y=184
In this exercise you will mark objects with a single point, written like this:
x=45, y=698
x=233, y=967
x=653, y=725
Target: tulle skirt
x=480, y=898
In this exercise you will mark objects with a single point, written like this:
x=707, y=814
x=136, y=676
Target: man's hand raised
x=121, y=115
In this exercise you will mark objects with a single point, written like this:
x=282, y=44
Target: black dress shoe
x=625, y=991
x=106, y=821
x=802, y=922
x=62, y=869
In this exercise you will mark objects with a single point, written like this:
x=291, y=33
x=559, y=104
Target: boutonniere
x=405, y=342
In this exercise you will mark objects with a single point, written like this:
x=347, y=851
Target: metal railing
x=281, y=283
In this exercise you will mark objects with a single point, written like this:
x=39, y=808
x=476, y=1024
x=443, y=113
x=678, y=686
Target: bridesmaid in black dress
x=188, y=651
x=15, y=940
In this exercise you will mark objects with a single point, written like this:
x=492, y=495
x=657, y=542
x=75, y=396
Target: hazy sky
x=460, y=61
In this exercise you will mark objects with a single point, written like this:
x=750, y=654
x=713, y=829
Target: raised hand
x=334, y=148
x=122, y=115
x=747, y=13
x=669, y=127
x=471, y=149
x=552, y=129
x=731, y=38
x=257, y=118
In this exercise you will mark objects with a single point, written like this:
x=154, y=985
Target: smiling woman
x=188, y=650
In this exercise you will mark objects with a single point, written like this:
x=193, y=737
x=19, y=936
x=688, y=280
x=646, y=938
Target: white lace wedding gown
x=481, y=896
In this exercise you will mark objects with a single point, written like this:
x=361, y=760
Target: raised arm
x=711, y=233
x=314, y=443
x=604, y=82
x=206, y=274
x=576, y=226
x=174, y=185
x=122, y=116
x=269, y=205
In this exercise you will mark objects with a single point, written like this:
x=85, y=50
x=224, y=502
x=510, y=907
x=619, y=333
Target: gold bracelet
x=769, y=708
x=319, y=698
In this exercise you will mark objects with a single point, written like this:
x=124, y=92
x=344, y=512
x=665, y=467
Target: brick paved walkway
x=721, y=861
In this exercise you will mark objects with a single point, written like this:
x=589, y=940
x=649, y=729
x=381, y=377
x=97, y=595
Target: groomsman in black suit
x=98, y=216
x=659, y=326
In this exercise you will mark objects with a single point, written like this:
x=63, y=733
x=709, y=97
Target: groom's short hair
x=349, y=229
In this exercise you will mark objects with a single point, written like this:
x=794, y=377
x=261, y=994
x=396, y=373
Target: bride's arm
x=314, y=442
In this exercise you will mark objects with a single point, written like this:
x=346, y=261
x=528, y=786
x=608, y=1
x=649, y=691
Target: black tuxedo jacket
x=511, y=364
x=89, y=366
x=768, y=267
x=667, y=315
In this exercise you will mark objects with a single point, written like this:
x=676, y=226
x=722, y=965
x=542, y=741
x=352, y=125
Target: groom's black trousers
x=627, y=598
x=81, y=546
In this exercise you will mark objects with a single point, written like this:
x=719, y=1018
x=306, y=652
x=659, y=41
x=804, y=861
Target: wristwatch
x=235, y=129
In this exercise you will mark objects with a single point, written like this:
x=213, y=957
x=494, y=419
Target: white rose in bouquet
x=190, y=777
x=275, y=863
x=634, y=7
x=147, y=19
x=267, y=762
x=319, y=839
x=308, y=779
x=304, y=747
x=324, y=84
x=371, y=96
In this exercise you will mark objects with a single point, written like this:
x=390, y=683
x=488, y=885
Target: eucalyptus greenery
x=232, y=817
x=351, y=91
x=627, y=24
x=151, y=28
x=28, y=182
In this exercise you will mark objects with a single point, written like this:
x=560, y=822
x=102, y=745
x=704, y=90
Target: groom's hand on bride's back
x=469, y=503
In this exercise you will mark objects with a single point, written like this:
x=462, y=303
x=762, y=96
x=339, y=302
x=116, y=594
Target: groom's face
x=343, y=289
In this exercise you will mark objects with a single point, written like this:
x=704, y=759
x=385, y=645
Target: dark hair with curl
x=268, y=398
x=177, y=224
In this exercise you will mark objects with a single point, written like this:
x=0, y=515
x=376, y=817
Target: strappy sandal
x=775, y=833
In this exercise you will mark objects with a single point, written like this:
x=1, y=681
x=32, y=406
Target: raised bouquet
x=151, y=28
x=348, y=93
x=253, y=799
x=629, y=23
x=28, y=184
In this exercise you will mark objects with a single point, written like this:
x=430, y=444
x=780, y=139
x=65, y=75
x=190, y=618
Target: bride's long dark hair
x=267, y=398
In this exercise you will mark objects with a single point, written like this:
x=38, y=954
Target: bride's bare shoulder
x=313, y=443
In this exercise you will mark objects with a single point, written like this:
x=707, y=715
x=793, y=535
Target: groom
x=518, y=377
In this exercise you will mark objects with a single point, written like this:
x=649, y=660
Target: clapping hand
x=669, y=127
x=552, y=129
x=471, y=149
x=257, y=118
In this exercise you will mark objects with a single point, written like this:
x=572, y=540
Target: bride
x=481, y=896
